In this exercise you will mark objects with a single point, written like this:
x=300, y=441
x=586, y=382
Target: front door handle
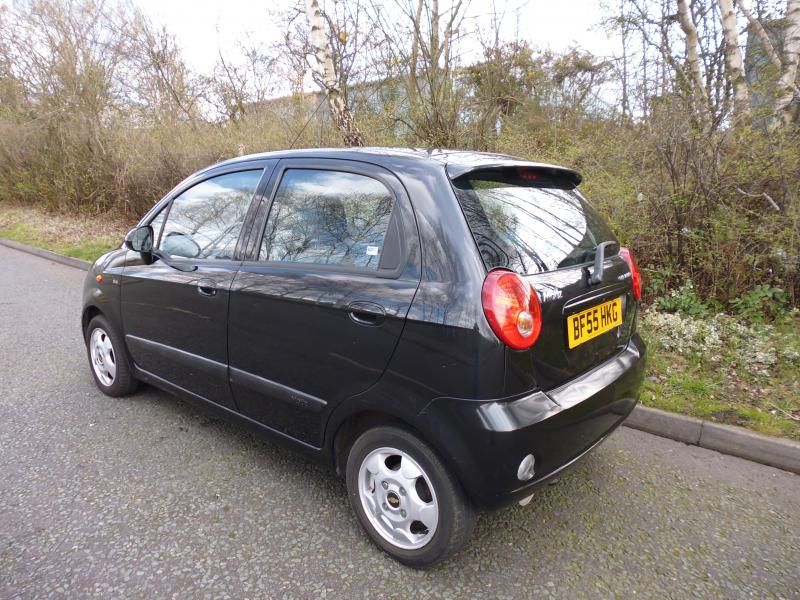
x=366, y=313
x=206, y=287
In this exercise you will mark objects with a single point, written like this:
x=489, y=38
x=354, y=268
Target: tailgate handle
x=599, y=262
x=366, y=313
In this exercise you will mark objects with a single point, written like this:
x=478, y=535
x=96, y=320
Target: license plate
x=589, y=323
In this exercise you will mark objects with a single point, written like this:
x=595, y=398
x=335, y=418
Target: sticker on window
x=373, y=250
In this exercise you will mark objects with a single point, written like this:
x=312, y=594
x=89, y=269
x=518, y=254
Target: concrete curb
x=727, y=439
x=54, y=256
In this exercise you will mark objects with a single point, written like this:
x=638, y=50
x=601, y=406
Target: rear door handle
x=206, y=287
x=366, y=313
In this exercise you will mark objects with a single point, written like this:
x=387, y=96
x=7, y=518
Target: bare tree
x=499, y=84
x=710, y=72
x=158, y=76
x=64, y=56
x=421, y=50
x=243, y=82
x=327, y=76
x=787, y=82
x=693, y=66
x=786, y=88
x=733, y=61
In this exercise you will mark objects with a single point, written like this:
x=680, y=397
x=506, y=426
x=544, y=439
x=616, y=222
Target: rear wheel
x=108, y=359
x=405, y=499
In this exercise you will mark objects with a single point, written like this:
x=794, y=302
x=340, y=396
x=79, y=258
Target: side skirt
x=228, y=414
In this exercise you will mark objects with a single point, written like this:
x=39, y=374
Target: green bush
x=96, y=127
x=762, y=303
x=683, y=300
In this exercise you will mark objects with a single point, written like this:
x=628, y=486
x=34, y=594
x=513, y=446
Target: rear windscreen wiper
x=599, y=261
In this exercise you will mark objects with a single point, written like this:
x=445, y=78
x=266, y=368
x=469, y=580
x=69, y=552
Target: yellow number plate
x=589, y=323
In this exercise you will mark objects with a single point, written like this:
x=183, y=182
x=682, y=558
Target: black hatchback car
x=444, y=329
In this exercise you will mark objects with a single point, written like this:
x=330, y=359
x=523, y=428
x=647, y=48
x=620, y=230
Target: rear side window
x=205, y=220
x=529, y=224
x=327, y=217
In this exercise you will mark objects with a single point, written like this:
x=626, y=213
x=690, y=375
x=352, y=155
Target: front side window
x=205, y=220
x=327, y=217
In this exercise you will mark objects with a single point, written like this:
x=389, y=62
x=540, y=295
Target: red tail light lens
x=512, y=308
x=636, y=276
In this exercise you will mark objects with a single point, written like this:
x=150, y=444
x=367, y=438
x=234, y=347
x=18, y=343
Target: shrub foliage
x=99, y=112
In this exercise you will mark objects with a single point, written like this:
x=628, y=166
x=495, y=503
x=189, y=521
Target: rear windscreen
x=529, y=223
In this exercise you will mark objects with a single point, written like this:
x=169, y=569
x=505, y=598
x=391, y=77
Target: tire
x=392, y=477
x=108, y=359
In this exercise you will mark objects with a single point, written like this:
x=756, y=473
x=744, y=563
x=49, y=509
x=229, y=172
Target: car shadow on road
x=554, y=526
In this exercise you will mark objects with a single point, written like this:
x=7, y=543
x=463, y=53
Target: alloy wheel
x=104, y=361
x=398, y=498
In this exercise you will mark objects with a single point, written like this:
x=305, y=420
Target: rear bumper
x=557, y=427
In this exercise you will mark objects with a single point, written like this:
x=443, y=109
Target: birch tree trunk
x=328, y=79
x=763, y=37
x=791, y=52
x=733, y=61
x=695, y=78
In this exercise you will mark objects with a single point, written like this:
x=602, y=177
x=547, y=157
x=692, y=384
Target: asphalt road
x=148, y=497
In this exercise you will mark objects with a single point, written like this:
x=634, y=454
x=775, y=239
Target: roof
x=456, y=162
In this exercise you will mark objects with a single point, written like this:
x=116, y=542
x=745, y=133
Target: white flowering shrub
x=754, y=348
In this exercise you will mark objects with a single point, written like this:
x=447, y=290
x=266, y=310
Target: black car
x=444, y=329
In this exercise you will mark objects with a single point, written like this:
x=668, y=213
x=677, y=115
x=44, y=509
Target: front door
x=318, y=309
x=175, y=315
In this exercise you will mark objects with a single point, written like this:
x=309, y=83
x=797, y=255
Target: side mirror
x=140, y=239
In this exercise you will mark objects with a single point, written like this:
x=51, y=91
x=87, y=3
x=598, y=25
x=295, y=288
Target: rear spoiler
x=456, y=170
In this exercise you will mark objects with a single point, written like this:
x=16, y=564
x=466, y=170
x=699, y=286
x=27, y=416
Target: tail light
x=512, y=308
x=636, y=276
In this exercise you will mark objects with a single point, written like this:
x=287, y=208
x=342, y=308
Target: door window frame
x=165, y=204
x=395, y=231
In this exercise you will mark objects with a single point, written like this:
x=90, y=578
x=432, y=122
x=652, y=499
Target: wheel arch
x=89, y=313
x=349, y=428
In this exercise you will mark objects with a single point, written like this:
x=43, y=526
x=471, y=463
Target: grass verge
x=721, y=369
x=79, y=236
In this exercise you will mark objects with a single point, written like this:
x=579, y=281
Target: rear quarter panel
x=447, y=345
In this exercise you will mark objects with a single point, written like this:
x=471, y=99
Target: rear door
x=175, y=317
x=537, y=224
x=318, y=307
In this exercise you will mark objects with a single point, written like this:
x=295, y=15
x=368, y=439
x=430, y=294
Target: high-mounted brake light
x=636, y=276
x=527, y=174
x=512, y=308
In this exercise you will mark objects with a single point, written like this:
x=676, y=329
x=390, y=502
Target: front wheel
x=405, y=498
x=109, y=359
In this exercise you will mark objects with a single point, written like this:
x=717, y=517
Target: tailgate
x=582, y=325
x=533, y=221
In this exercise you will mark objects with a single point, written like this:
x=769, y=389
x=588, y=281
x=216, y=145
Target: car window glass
x=327, y=217
x=205, y=220
x=529, y=225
